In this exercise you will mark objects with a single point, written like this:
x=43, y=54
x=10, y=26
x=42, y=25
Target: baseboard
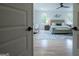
x=77, y=53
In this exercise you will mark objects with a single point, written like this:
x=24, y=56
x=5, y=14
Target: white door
x=14, y=20
x=76, y=31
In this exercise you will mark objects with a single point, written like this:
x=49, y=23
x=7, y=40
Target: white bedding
x=60, y=27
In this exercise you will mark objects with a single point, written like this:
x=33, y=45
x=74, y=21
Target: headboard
x=56, y=21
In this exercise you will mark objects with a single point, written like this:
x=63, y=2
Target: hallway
x=47, y=44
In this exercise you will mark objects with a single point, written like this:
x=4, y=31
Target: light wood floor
x=47, y=44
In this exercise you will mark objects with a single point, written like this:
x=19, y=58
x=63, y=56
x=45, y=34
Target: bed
x=60, y=29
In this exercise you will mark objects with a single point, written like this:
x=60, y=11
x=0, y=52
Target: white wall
x=69, y=18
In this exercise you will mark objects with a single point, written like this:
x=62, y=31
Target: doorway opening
x=52, y=33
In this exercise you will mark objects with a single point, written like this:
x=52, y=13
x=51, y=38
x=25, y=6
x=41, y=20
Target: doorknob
x=75, y=28
x=29, y=29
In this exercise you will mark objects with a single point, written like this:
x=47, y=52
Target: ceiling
x=52, y=7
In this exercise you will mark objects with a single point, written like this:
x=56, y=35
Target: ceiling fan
x=62, y=6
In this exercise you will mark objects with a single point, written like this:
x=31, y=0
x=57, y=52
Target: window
x=44, y=17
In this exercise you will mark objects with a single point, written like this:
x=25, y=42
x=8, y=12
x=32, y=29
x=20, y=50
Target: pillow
x=63, y=24
x=58, y=24
x=53, y=24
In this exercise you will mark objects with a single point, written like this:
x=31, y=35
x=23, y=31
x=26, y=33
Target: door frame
x=30, y=33
x=75, y=23
x=74, y=44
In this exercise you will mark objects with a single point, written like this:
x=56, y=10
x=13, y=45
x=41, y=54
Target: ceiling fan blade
x=58, y=7
x=66, y=6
